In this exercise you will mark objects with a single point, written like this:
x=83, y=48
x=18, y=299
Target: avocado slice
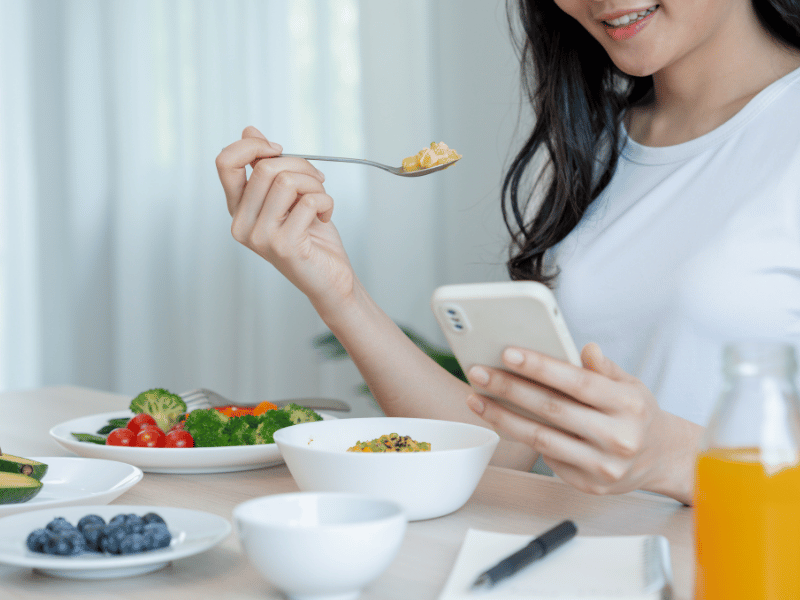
x=24, y=466
x=16, y=488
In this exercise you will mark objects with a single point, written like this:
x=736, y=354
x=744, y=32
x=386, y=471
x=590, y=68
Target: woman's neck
x=704, y=89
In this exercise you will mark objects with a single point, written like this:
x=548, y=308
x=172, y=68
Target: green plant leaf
x=330, y=346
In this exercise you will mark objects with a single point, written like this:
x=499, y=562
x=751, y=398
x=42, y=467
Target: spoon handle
x=347, y=160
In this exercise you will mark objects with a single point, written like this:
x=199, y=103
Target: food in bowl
x=437, y=154
x=426, y=484
x=392, y=442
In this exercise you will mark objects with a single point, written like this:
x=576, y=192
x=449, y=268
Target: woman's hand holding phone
x=610, y=435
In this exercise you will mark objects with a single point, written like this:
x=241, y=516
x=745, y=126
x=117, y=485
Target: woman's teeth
x=631, y=17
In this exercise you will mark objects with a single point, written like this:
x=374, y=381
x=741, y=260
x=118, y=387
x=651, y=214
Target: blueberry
x=59, y=524
x=78, y=541
x=37, y=539
x=153, y=518
x=117, y=520
x=134, y=523
x=133, y=544
x=65, y=543
x=156, y=536
x=93, y=533
x=90, y=520
x=113, y=534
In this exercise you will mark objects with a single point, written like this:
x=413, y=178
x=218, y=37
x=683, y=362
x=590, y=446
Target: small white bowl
x=317, y=546
x=426, y=484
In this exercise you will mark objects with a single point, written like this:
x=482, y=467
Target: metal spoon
x=394, y=170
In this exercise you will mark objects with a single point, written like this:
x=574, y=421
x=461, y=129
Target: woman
x=658, y=221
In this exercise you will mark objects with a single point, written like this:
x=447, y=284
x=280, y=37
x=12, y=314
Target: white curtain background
x=117, y=268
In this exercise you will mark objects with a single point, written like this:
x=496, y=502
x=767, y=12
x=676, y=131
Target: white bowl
x=426, y=484
x=320, y=545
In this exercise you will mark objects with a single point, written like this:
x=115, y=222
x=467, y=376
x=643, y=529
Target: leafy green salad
x=161, y=420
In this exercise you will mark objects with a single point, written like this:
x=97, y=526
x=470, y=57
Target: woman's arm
x=283, y=213
x=404, y=380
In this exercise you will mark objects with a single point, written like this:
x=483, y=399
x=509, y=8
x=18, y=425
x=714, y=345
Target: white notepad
x=597, y=568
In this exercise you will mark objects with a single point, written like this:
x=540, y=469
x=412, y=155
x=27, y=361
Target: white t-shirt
x=689, y=247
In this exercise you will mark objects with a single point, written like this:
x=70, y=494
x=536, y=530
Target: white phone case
x=480, y=320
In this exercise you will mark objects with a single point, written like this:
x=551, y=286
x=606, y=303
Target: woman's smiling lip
x=620, y=13
x=630, y=29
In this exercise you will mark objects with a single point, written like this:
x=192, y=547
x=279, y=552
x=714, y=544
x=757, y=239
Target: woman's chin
x=634, y=68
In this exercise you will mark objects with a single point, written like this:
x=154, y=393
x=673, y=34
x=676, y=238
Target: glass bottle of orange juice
x=747, y=480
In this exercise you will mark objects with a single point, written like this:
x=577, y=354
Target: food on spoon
x=123, y=534
x=436, y=154
x=392, y=442
x=16, y=488
x=166, y=408
x=25, y=466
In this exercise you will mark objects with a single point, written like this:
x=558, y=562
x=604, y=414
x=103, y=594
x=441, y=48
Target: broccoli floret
x=208, y=428
x=242, y=430
x=166, y=408
x=300, y=414
x=269, y=423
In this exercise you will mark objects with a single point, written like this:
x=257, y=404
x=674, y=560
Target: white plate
x=193, y=531
x=73, y=481
x=167, y=460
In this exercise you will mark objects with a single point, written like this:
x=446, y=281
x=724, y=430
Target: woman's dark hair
x=579, y=99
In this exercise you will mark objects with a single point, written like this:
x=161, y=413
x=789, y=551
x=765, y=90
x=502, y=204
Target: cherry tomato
x=179, y=439
x=136, y=423
x=150, y=437
x=122, y=436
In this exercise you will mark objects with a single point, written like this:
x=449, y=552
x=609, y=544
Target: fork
x=394, y=170
x=205, y=398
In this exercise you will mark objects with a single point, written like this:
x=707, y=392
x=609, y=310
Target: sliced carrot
x=240, y=412
x=263, y=407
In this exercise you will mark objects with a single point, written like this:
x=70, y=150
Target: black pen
x=542, y=545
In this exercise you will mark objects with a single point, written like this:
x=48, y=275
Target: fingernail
x=513, y=357
x=475, y=404
x=276, y=146
x=321, y=174
x=479, y=375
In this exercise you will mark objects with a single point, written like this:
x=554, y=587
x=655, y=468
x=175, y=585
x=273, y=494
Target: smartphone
x=480, y=320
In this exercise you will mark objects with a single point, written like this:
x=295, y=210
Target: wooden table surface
x=505, y=501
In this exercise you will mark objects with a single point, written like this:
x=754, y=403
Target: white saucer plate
x=167, y=460
x=71, y=481
x=192, y=532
